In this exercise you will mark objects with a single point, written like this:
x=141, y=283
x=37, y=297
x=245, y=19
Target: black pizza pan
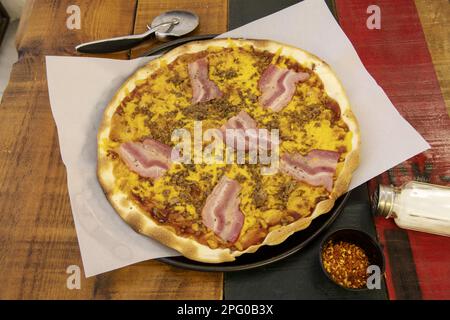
x=267, y=254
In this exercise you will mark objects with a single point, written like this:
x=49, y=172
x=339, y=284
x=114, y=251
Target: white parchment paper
x=80, y=89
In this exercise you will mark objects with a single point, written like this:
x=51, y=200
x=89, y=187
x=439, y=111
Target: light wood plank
x=37, y=235
x=435, y=18
x=213, y=17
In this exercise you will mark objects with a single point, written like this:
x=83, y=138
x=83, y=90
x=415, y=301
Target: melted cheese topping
x=162, y=103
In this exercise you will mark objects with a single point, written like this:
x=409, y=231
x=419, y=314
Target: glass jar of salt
x=416, y=206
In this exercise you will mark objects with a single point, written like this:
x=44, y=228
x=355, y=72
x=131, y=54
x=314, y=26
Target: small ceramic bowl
x=362, y=240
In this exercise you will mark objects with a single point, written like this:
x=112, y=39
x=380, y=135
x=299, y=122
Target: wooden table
x=37, y=234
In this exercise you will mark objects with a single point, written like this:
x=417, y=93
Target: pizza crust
x=140, y=220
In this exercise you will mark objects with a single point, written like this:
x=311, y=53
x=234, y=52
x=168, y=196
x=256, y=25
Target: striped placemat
x=398, y=58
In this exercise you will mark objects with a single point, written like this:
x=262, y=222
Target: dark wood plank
x=43, y=30
x=403, y=272
x=156, y=280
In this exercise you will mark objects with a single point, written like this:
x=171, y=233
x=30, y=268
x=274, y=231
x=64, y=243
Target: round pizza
x=222, y=146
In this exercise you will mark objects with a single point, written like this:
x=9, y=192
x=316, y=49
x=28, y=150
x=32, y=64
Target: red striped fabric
x=397, y=56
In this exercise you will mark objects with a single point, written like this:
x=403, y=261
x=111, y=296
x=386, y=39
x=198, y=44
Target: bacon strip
x=317, y=168
x=277, y=86
x=203, y=89
x=221, y=212
x=149, y=158
x=242, y=122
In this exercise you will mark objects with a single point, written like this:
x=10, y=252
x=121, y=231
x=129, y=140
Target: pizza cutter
x=168, y=25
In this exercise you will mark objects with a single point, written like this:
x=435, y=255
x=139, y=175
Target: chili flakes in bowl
x=346, y=263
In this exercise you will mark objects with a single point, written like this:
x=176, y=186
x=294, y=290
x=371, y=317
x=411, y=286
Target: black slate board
x=4, y=21
x=300, y=275
x=241, y=12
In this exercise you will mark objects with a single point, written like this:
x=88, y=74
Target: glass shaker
x=416, y=206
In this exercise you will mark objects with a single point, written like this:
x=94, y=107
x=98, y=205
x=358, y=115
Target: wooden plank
x=43, y=28
x=4, y=21
x=213, y=16
x=24, y=20
x=435, y=18
x=36, y=225
x=156, y=280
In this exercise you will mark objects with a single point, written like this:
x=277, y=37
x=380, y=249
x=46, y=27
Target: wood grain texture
x=36, y=228
x=435, y=18
x=43, y=29
x=213, y=16
x=155, y=280
x=37, y=234
x=24, y=19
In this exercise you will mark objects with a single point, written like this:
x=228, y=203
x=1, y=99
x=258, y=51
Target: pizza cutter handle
x=108, y=45
x=119, y=43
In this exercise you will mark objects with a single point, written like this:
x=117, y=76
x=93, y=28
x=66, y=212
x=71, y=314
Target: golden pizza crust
x=141, y=222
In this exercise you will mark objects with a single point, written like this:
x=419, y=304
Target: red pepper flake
x=346, y=263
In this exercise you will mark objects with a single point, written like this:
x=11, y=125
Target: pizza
x=219, y=147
